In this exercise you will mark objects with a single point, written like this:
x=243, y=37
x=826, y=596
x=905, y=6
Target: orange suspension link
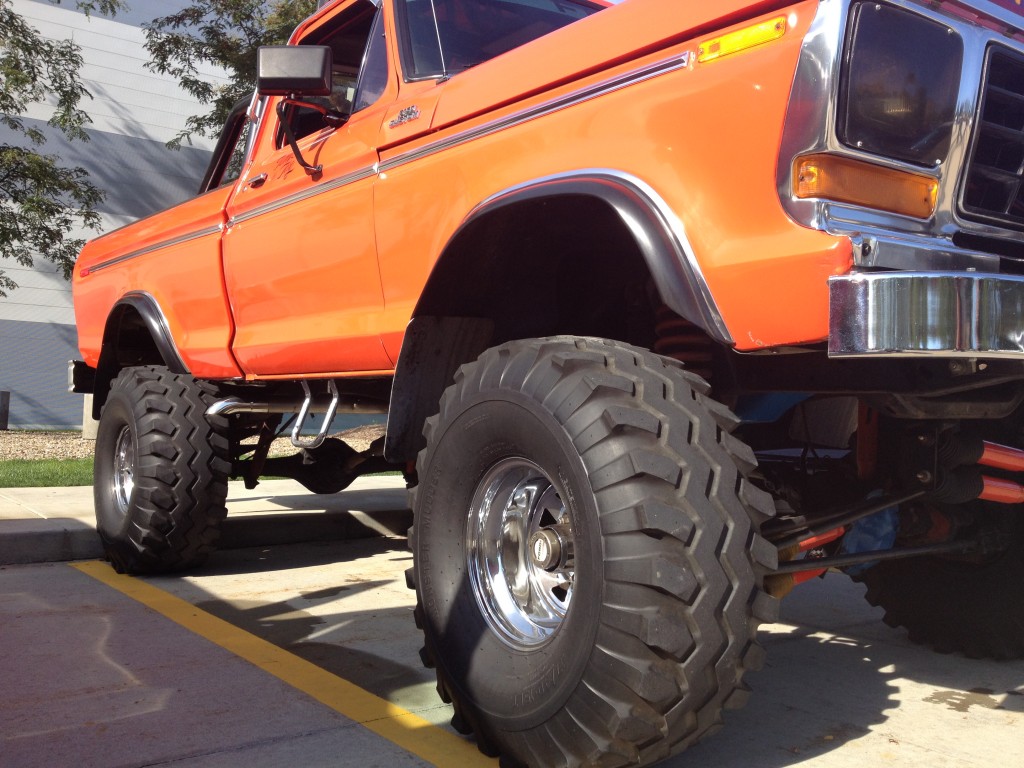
x=1001, y=491
x=1002, y=457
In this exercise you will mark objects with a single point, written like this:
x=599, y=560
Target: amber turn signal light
x=846, y=180
x=741, y=39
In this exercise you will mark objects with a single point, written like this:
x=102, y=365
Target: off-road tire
x=668, y=560
x=956, y=605
x=161, y=470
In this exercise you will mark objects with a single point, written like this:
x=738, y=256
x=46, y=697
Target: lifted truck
x=670, y=304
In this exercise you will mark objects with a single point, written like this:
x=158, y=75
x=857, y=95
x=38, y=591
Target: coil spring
x=680, y=339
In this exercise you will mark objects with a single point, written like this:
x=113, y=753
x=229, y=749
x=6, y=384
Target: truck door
x=300, y=263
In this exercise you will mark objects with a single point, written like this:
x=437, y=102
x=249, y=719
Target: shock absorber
x=680, y=339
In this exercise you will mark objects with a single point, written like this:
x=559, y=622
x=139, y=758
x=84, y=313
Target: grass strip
x=45, y=473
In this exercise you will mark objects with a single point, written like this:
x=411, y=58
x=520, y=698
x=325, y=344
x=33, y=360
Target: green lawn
x=43, y=473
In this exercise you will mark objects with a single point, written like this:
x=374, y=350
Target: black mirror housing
x=293, y=70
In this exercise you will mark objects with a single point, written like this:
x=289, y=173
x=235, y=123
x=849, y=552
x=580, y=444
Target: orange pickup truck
x=671, y=305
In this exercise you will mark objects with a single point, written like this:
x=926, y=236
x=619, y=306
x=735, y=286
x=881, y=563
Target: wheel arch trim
x=155, y=322
x=422, y=374
x=657, y=231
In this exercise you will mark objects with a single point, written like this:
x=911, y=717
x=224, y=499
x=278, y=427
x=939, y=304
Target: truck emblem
x=407, y=115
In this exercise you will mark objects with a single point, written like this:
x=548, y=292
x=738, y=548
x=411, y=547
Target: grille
x=994, y=191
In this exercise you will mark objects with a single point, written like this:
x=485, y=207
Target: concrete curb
x=42, y=525
x=47, y=541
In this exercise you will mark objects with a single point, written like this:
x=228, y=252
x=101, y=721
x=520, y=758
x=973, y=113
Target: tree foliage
x=40, y=199
x=224, y=34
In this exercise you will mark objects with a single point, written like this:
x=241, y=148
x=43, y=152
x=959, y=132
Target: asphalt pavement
x=295, y=645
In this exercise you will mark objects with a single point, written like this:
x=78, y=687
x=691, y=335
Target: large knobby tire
x=588, y=561
x=160, y=478
x=976, y=608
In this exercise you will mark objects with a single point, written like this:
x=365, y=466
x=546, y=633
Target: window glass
x=439, y=38
x=233, y=168
x=348, y=39
x=373, y=77
x=232, y=148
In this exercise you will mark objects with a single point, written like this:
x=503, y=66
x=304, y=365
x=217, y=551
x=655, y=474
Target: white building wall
x=134, y=112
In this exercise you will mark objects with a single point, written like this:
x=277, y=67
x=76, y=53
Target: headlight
x=900, y=79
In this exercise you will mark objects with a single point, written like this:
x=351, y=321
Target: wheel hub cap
x=519, y=549
x=123, y=480
x=549, y=548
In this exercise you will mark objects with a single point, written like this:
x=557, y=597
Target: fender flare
x=155, y=322
x=658, y=232
x=435, y=346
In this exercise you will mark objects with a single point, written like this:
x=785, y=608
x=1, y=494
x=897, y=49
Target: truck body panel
x=176, y=257
x=669, y=118
x=269, y=255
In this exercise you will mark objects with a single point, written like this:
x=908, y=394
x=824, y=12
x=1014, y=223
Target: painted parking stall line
x=396, y=724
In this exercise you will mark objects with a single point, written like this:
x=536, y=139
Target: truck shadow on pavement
x=834, y=675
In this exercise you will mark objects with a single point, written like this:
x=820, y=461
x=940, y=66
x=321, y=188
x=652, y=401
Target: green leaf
x=223, y=34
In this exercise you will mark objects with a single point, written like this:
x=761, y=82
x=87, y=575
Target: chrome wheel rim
x=520, y=553
x=123, y=481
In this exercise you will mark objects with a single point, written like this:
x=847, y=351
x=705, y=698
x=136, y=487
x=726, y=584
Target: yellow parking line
x=399, y=726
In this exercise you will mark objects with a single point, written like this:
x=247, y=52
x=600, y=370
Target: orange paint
x=320, y=275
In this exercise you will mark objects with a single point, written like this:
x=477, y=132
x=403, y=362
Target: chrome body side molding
x=206, y=232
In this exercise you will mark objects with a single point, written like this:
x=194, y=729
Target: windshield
x=440, y=38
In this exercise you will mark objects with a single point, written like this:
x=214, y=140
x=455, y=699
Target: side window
x=233, y=169
x=440, y=38
x=373, y=77
x=232, y=147
x=350, y=40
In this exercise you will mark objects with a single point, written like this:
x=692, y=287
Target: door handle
x=257, y=181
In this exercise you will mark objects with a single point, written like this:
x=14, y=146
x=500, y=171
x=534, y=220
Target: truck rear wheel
x=160, y=476
x=587, y=557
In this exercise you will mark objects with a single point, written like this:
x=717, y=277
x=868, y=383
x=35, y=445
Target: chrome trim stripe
x=948, y=314
x=297, y=197
x=610, y=85
x=155, y=247
x=671, y=64
x=546, y=108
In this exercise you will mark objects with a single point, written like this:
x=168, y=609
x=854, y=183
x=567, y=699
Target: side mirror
x=297, y=72
x=293, y=70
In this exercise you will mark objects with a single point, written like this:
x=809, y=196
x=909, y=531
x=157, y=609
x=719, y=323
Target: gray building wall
x=134, y=113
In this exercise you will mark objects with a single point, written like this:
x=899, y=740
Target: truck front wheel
x=587, y=557
x=160, y=475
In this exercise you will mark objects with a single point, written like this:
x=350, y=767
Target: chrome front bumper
x=952, y=314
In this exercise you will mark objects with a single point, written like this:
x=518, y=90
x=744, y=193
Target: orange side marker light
x=741, y=39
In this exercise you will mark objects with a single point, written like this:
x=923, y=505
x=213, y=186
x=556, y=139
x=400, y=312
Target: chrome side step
x=317, y=441
x=308, y=405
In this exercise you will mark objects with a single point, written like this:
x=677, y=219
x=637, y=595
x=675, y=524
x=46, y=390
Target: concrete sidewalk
x=40, y=525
